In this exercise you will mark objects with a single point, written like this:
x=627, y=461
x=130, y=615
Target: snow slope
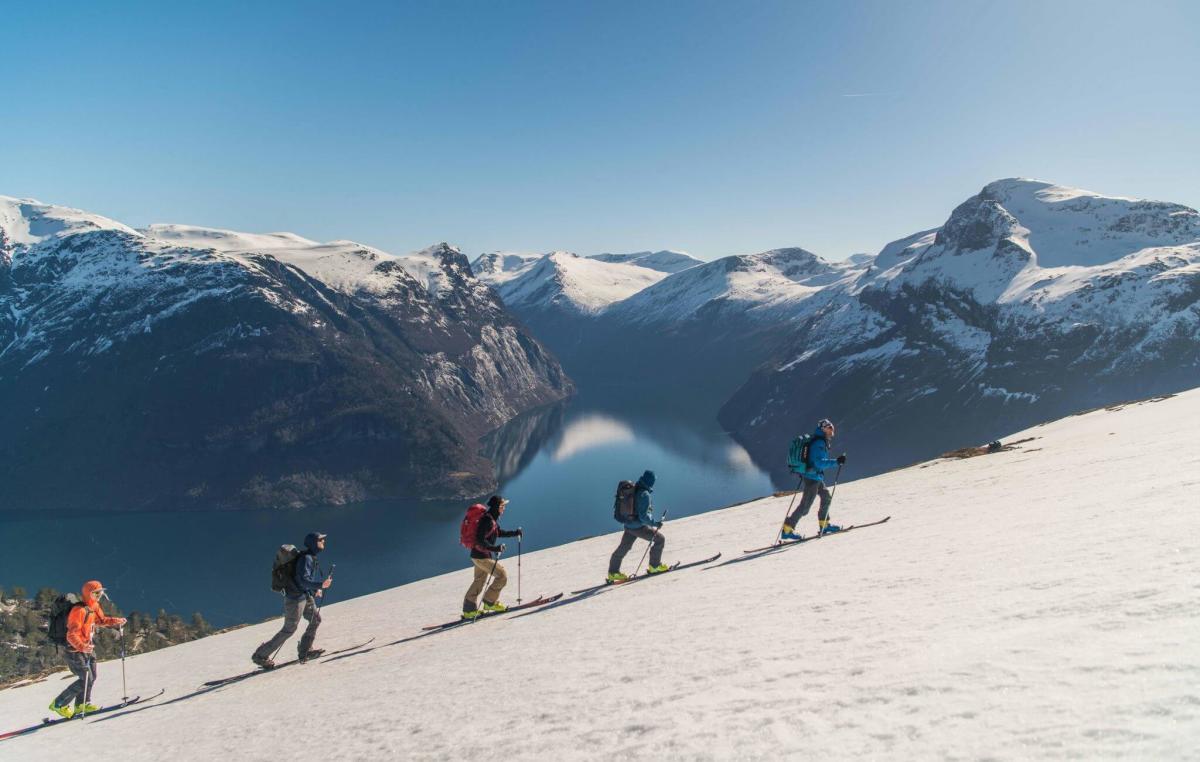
x=764, y=287
x=27, y=221
x=667, y=260
x=344, y=265
x=563, y=281
x=1031, y=604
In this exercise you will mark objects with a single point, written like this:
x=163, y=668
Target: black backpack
x=625, y=502
x=283, y=569
x=800, y=454
x=60, y=610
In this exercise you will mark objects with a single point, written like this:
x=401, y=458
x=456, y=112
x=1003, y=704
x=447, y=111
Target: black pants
x=657, y=541
x=83, y=666
x=812, y=488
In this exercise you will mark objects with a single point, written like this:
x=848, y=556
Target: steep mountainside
x=182, y=366
x=697, y=334
x=1031, y=301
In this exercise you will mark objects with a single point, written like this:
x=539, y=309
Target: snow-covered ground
x=1042, y=602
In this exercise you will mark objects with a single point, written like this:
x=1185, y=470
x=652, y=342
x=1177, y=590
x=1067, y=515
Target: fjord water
x=559, y=466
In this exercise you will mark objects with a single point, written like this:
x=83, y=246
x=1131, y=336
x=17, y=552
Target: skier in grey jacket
x=642, y=526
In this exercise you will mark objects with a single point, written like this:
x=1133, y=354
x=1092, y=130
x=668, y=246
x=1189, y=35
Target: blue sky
x=714, y=127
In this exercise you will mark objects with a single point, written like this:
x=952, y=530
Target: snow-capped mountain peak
x=565, y=280
x=26, y=221
x=667, y=260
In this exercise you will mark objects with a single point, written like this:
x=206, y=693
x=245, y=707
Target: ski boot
x=657, y=569
x=66, y=711
x=827, y=528
x=493, y=608
x=789, y=534
x=85, y=708
x=616, y=577
x=472, y=615
x=263, y=661
x=312, y=653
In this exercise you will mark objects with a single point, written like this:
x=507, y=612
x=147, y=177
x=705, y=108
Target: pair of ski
x=638, y=577
x=541, y=600
x=789, y=543
x=281, y=665
x=47, y=722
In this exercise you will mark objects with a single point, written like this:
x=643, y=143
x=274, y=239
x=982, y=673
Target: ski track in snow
x=1039, y=603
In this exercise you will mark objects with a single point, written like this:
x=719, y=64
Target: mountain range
x=1032, y=300
x=179, y=366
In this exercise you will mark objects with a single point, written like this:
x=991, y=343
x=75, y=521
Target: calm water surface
x=559, y=467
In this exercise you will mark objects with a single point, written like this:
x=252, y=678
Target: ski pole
x=487, y=582
x=833, y=491
x=124, y=689
x=651, y=545
x=316, y=605
x=87, y=673
x=779, y=533
x=519, y=570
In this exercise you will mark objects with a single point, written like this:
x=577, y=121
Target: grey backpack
x=283, y=570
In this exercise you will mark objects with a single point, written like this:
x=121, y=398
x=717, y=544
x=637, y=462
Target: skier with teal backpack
x=809, y=457
x=632, y=507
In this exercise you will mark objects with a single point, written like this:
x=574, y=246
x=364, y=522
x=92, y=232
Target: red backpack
x=470, y=523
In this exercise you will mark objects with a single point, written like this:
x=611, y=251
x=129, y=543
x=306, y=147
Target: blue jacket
x=818, y=456
x=308, y=570
x=645, y=510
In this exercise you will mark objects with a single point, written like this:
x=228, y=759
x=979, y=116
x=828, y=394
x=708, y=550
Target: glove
x=658, y=525
x=520, y=532
x=841, y=460
x=120, y=622
x=502, y=547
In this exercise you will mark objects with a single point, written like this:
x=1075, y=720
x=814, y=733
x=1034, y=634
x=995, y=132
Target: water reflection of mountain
x=567, y=430
x=512, y=446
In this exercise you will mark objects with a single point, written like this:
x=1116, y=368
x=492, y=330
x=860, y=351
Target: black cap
x=495, y=501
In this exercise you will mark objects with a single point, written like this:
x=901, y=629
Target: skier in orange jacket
x=82, y=622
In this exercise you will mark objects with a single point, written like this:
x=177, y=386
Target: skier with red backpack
x=75, y=624
x=479, y=530
x=632, y=507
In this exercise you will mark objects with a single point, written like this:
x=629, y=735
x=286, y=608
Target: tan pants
x=483, y=567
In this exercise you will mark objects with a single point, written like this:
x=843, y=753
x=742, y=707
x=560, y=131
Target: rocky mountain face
x=1030, y=302
x=182, y=367
x=697, y=334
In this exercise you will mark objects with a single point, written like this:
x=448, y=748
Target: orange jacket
x=83, y=620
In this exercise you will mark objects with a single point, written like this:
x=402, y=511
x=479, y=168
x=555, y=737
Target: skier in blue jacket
x=300, y=600
x=642, y=526
x=813, y=480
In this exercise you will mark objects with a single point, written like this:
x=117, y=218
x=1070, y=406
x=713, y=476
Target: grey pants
x=292, y=609
x=83, y=666
x=657, y=541
x=812, y=488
